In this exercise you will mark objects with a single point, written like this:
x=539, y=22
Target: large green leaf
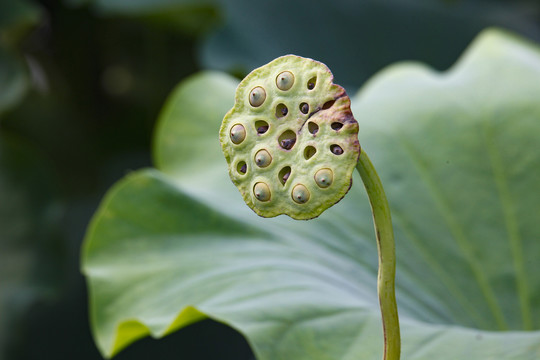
x=458, y=154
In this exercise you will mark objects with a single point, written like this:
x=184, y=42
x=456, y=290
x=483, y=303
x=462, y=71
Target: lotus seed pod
x=299, y=145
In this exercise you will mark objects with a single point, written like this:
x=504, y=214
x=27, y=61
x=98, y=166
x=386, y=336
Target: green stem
x=387, y=256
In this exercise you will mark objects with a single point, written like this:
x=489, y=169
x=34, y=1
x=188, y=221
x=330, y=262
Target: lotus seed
x=238, y=133
x=304, y=108
x=263, y=158
x=257, y=96
x=324, y=178
x=261, y=191
x=285, y=80
x=336, y=149
x=300, y=194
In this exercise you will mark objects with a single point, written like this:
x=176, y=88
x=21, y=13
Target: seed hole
x=281, y=111
x=263, y=158
x=336, y=125
x=312, y=127
x=241, y=167
x=287, y=140
x=284, y=174
x=261, y=126
x=311, y=83
x=285, y=80
x=257, y=96
x=328, y=104
x=309, y=151
x=304, y=108
x=336, y=149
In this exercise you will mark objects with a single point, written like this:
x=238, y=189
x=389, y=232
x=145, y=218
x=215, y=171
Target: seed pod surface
x=300, y=141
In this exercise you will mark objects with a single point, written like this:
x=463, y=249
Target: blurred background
x=81, y=86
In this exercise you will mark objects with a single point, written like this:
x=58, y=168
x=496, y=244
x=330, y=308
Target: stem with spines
x=387, y=258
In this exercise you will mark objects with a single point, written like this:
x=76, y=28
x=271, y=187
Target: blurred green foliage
x=16, y=19
x=82, y=83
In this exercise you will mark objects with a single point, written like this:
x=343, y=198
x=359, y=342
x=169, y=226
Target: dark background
x=82, y=84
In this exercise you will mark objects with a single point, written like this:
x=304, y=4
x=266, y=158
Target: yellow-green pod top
x=291, y=141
